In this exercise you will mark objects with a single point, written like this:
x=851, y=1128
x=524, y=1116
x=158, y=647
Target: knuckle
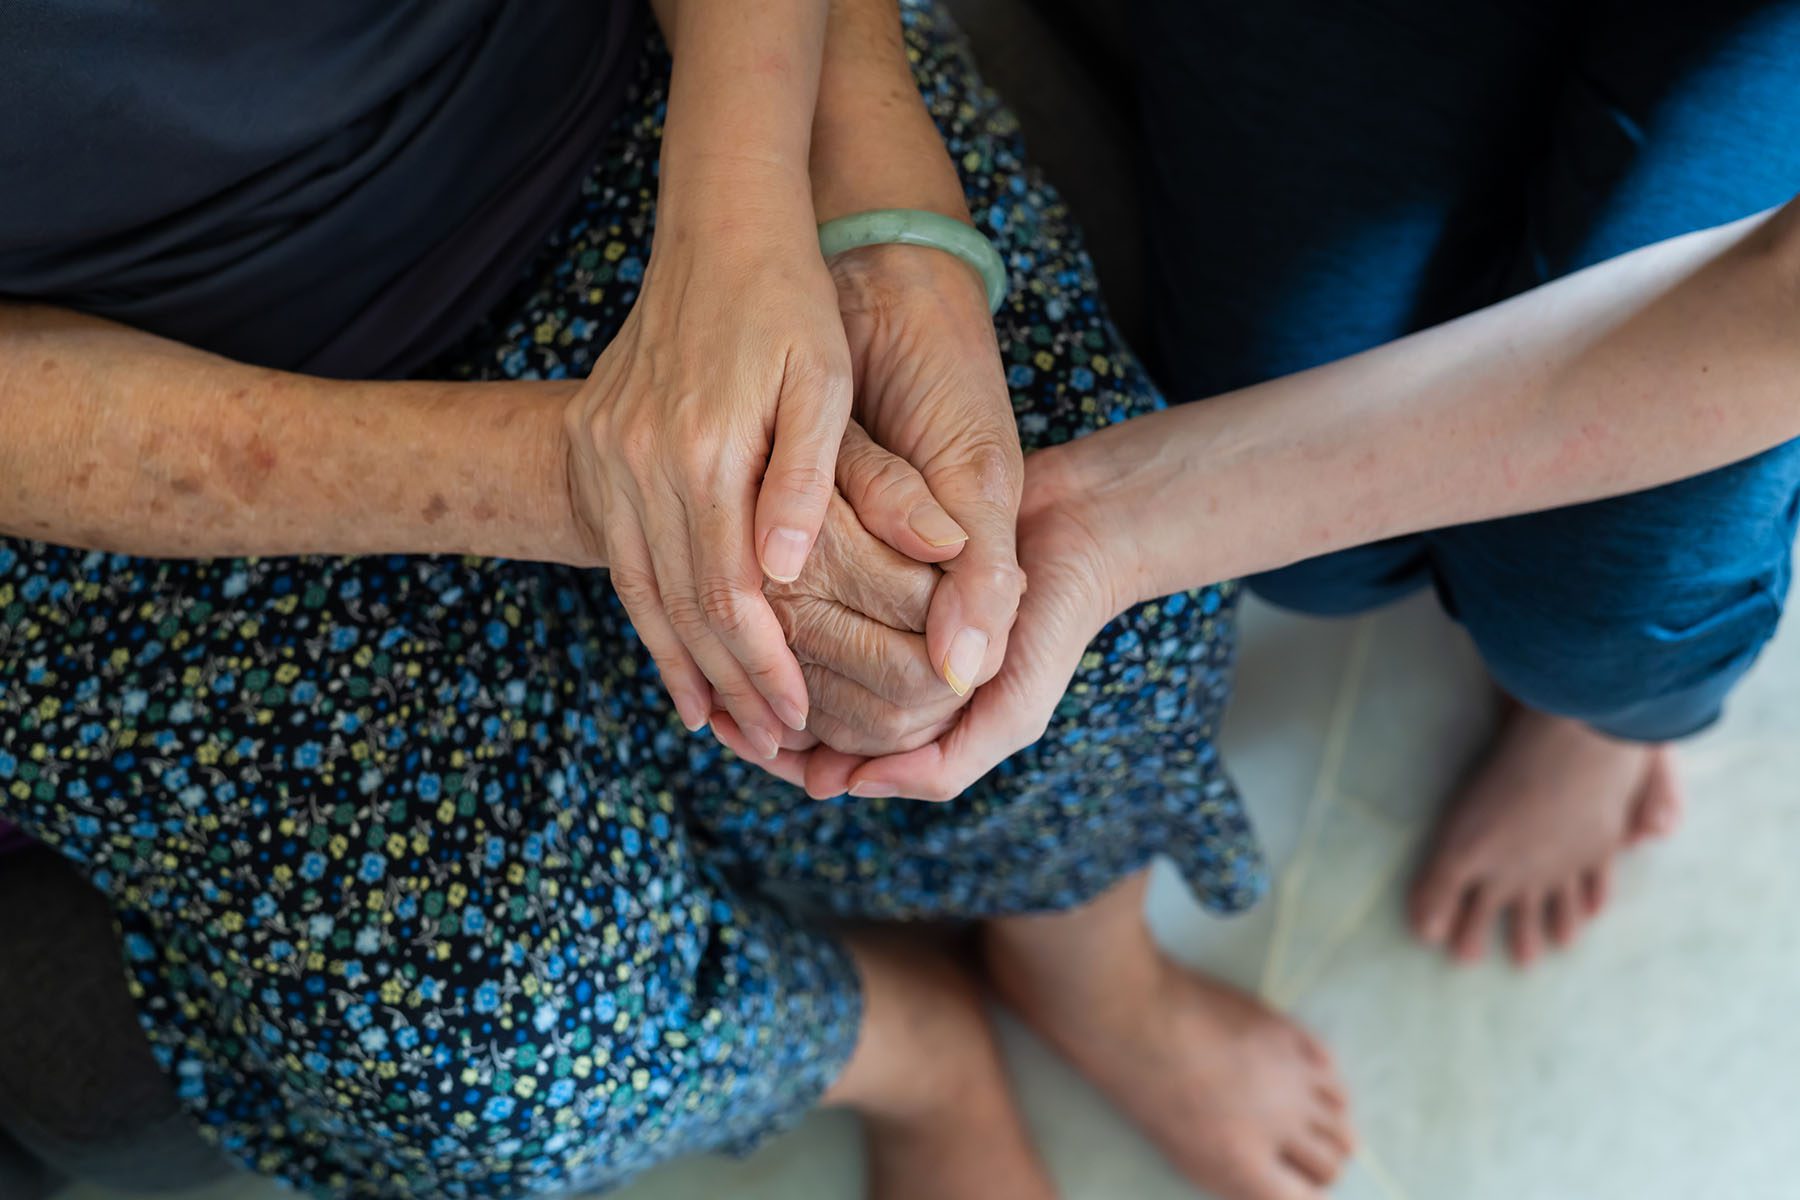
x=638, y=445
x=995, y=469
x=806, y=477
x=891, y=483
x=635, y=586
x=723, y=604
x=685, y=615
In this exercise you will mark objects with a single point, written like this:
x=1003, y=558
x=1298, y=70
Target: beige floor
x=1660, y=1060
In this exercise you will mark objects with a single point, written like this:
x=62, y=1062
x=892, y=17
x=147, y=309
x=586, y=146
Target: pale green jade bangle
x=917, y=227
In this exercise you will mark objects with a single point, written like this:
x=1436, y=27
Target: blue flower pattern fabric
x=424, y=890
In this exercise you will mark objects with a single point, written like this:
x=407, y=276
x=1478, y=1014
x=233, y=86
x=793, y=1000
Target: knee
x=1653, y=673
x=1348, y=582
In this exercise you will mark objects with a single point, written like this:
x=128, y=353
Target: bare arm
x=1654, y=366
x=116, y=440
x=1650, y=367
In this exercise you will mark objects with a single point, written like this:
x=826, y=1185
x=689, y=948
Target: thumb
x=973, y=608
x=811, y=412
x=890, y=498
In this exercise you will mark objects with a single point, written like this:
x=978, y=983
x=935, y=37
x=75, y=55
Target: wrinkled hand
x=931, y=389
x=704, y=442
x=856, y=616
x=1079, y=582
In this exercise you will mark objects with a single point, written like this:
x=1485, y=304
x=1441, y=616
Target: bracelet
x=917, y=227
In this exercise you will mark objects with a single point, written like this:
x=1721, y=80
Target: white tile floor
x=1658, y=1060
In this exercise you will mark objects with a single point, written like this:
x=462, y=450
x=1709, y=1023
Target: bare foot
x=1532, y=838
x=1245, y=1103
x=928, y=1081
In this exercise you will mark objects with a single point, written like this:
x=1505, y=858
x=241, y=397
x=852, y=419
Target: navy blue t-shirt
x=335, y=186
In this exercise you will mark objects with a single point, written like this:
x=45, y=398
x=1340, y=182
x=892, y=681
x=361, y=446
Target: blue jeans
x=1327, y=175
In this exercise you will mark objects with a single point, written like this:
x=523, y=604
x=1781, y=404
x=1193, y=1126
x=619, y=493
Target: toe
x=1525, y=922
x=1314, y=1157
x=1563, y=914
x=1315, y=1051
x=1437, y=897
x=1474, y=925
x=1337, y=1135
x=1658, y=808
x=1596, y=888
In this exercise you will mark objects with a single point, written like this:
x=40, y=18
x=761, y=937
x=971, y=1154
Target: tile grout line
x=1337, y=739
x=1355, y=916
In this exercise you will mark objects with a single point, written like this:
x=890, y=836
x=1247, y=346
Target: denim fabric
x=1330, y=175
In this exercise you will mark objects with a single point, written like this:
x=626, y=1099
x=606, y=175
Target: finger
x=789, y=766
x=828, y=772
x=813, y=409
x=973, y=609
x=1003, y=718
x=850, y=718
x=667, y=539
x=728, y=591
x=887, y=662
x=634, y=579
x=856, y=569
x=891, y=500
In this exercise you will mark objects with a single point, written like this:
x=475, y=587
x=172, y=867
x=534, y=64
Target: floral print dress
x=424, y=889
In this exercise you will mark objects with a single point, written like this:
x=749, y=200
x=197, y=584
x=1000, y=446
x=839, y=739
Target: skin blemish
x=244, y=469
x=184, y=485
x=434, y=509
x=483, y=511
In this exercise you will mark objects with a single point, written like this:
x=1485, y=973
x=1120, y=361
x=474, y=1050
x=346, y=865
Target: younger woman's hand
x=702, y=450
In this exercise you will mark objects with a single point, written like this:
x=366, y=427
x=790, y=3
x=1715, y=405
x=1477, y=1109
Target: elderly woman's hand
x=930, y=388
x=856, y=616
x=703, y=442
x=1082, y=576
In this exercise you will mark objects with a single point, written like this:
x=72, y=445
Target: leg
x=1243, y=1101
x=1326, y=178
x=410, y=905
x=928, y=1082
x=1125, y=772
x=1622, y=625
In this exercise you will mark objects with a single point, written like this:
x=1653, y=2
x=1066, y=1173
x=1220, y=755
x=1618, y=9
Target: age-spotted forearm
x=115, y=440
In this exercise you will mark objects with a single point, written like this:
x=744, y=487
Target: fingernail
x=791, y=715
x=766, y=743
x=872, y=791
x=784, y=553
x=967, y=650
x=691, y=712
x=936, y=526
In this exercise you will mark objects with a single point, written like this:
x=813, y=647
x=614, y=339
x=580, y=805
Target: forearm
x=1661, y=364
x=115, y=440
x=874, y=145
x=741, y=99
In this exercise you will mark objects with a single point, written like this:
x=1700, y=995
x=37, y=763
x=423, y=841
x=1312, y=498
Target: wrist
x=883, y=276
x=526, y=510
